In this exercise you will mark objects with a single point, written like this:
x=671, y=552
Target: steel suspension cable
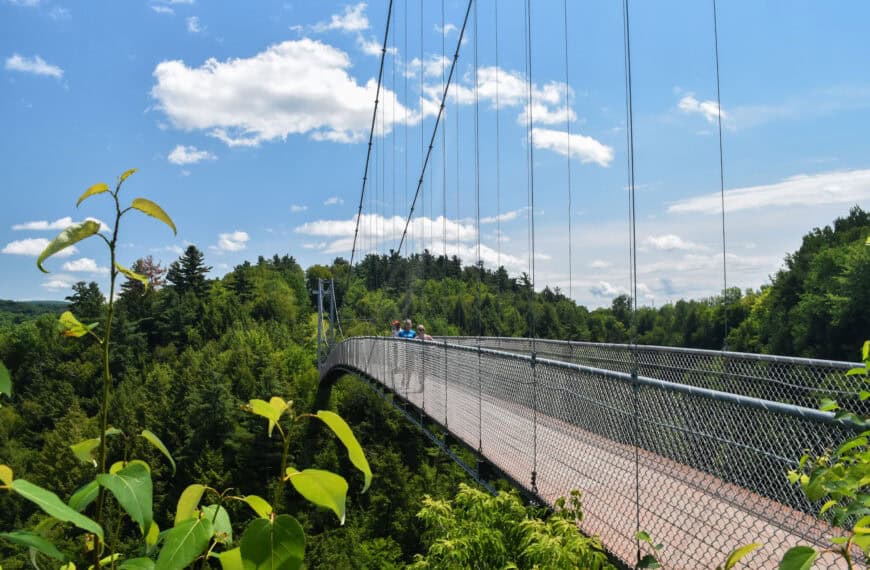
x=477, y=221
x=443, y=148
x=497, y=146
x=721, y=178
x=437, y=122
x=371, y=135
x=568, y=131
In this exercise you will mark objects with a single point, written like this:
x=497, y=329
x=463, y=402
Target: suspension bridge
x=691, y=446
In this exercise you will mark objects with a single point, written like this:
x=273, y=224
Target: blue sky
x=248, y=124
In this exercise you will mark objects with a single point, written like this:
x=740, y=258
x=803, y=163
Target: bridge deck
x=698, y=516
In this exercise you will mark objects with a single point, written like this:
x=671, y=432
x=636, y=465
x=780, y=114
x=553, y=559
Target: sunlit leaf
x=828, y=405
x=187, y=503
x=827, y=506
x=863, y=542
x=153, y=210
x=220, y=521
x=184, y=543
x=107, y=561
x=53, y=506
x=738, y=553
x=323, y=488
x=5, y=380
x=133, y=489
x=851, y=444
x=798, y=558
x=132, y=274
x=263, y=409
x=137, y=564
x=73, y=234
x=153, y=535
x=6, y=475
x=280, y=406
x=156, y=442
x=232, y=559
x=278, y=544
x=71, y=327
x=260, y=506
x=126, y=175
x=862, y=526
x=84, y=496
x=93, y=191
x=84, y=450
x=34, y=541
x=354, y=450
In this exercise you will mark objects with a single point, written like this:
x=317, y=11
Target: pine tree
x=188, y=272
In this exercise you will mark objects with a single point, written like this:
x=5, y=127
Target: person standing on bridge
x=407, y=331
x=421, y=333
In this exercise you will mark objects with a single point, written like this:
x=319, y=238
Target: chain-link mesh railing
x=799, y=381
x=700, y=469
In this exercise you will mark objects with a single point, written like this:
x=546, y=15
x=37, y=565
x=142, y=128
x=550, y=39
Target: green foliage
x=477, y=530
x=68, y=237
x=273, y=544
x=133, y=489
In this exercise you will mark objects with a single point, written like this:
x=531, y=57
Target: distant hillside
x=18, y=311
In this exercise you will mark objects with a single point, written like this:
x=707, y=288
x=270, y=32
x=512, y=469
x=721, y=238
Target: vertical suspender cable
x=629, y=117
x=568, y=132
x=371, y=135
x=721, y=179
x=443, y=151
x=437, y=120
x=477, y=223
x=497, y=145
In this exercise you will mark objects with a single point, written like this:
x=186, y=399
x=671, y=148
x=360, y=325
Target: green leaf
x=137, y=564
x=354, y=450
x=863, y=542
x=649, y=561
x=260, y=506
x=73, y=234
x=133, y=489
x=187, y=503
x=6, y=475
x=107, y=561
x=70, y=326
x=93, y=191
x=232, y=559
x=220, y=520
x=35, y=542
x=273, y=545
x=280, y=406
x=798, y=558
x=152, y=537
x=84, y=496
x=263, y=409
x=739, y=553
x=865, y=350
x=132, y=274
x=184, y=543
x=5, y=380
x=827, y=506
x=643, y=536
x=862, y=526
x=126, y=175
x=156, y=442
x=828, y=405
x=860, y=371
x=323, y=488
x=851, y=444
x=84, y=450
x=52, y=505
x=153, y=210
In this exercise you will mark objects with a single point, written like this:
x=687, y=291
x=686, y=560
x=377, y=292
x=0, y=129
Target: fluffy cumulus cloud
x=189, y=155
x=670, y=242
x=235, y=241
x=58, y=283
x=33, y=247
x=584, y=148
x=295, y=87
x=84, y=265
x=35, y=65
x=58, y=224
x=353, y=19
x=837, y=187
x=708, y=109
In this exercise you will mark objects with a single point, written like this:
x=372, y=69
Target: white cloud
x=670, y=242
x=163, y=9
x=503, y=217
x=333, y=201
x=836, y=187
x=352, y=20
x=599, y=264
x=235, y=241
x=33, y=247
x=318, y=245
x=447, y=29
x=84, y=265
x=585, y=148
x=59, y=224
x=605, y=289
x=58, y=283
x=295, y=87
x=59, y=13
x=189, y=155
x=25, y=3
x=193, y=25
x=296, y=208
x=35, y=65
x=709, y=109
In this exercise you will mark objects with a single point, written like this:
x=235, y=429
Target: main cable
x=371, y=136
x=721, y=179
x=437, y=122
x=568, y=132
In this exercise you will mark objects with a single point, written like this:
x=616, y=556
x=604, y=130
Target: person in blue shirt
x=407, y=331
